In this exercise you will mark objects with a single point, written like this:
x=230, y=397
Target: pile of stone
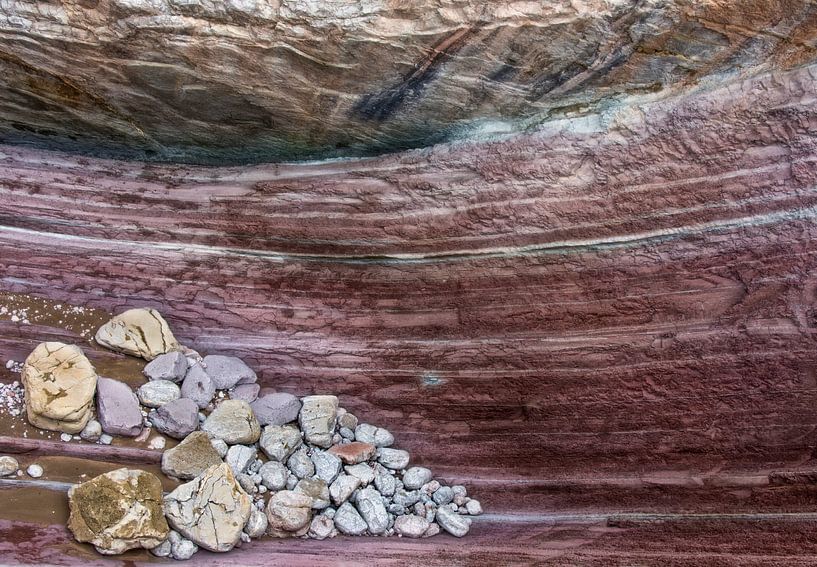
x=257, y=462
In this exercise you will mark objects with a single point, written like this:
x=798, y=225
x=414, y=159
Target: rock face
x=191, y=457
x=139, y=332
x=117, y=511
x=210, y=510
x=118, y=408
x=317, y=419
x=233, y=422
x=60, y=383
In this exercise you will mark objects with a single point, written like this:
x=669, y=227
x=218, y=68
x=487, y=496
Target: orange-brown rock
x=354, y=452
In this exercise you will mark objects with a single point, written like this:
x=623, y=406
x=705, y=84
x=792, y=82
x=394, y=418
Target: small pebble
x=34, y=471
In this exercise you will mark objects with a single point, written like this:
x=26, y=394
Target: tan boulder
x=289, y=513
x=139, y=332
x=118, y=511
x=60, y=383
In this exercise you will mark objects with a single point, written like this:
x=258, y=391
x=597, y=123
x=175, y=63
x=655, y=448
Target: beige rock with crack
x=60, y=383
x=210, y=510
x=317, y=419
x=289, y=514
x=118, y=511
x=139, y=332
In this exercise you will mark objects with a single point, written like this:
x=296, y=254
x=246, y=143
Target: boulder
x=289, y=514
x=354, y=452
x=317, y=419
x=117, y=408
x=171, y=366
x=157, y=393
x=227, y=371
x=191, y=457
x=210, y=510
x=59, y=384
x=233, y=422
x=177, y=419
x=280, y=442
x=276, y=409
x=117, y=511
x=139, y=332
x=198, y=386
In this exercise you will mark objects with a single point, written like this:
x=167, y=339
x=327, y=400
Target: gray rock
x=220, y=446
x=394, y=459
x=292, y=481
x=227, y=371
x=92, y=431
x=346, y=420
x=279, y=442
x=377, y=436
x=171, y=366
x=322, y=527
x=245, y=481
x=177, y=419
x=8, y=466
x=257, y=524
x=239, y=458
x=384, y=481
x=274, y=475
x=234, y=422
x=183, y=550
x=411, y=526
x=300, y=464
x=289, y=514
x=415, y=477
x=362, y=471
x=406, y=498
x=329, y=512
x=443, y=495
x=473, y=507
x=163, y=549
x=210, y=510
x=191, y=457
x=453, y=523
x=342, y=488
x=347, y=433
x=118, y=408
x=348, y=520
x=317, y=419
x=459, y=490
x=327, y=465
x=198, y=386
x=276, y=409
x=432, y=530
x=158, y=393
x=370, y=505
x=396, y=509
x=317, y=490
x=105, y=439
x=246, y=392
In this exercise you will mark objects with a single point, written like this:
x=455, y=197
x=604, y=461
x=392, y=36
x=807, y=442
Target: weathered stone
x=191, y=457
x=377, y=436
x=347, y=420
x=415, y=477
x=300, y=464
x=239, y=457
x=34, y=471
x=8, y=466
x=354, y=452
x=317, y=419
x=246, y=482
x=289, y=513
x=183, y=549
x=370, y=505
x=177, y=419
x=163, y=549
x=234, y=422
x=317, y=490
x=348, y=520
x=443, y=495
x=171, y=366
x=394, y=459
x=322, y=527
x=453, y=523
x=347, y=434
x=118, y=408
x=59, y=386
x=411, y=525
x=210, y=510
x=343, y=487
x=227, y=371
x=274, y=475
x=279, y=442
x=92, y=431
x=362, y=471
x=276, y=409
x=198, y=386
x=247, y=393
x=473, y=507
x=220, y=446
x=257, y=524
x=384, y=481
x=433, y=529
x=158, y=393
x=117, y=511
x=139, y=332
x=327, y=465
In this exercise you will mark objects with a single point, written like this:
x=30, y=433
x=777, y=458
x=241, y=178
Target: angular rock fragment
x=233, y=422
x=280, y=442
x=289, y=514
x=177, y=419
x=317, y=419
x=139, y=332
x=59, y=386
x=342, y=488
x=279, y=408
x=157, y=393
x=317, y=490
x=395, y=459
x=239, y=457
x=118, y=408
x=327, y=465
x=322, y=527
x=191, y=457
x=384, y=481
x=377, y=436
x=227, y=371
x=198, y=386
x=171, y=366
x=354, y=452
x=257, y=524
x=411, y=525
x=274, y=475
x=117, y=511
x=248, y=393
x=300, y=464
x=370, y=505
x=415, y=477
x=348, y=520
x=210, y=510
x=362, y=471
x=453, y=523
x=8, y=466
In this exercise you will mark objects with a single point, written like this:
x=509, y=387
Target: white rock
x=92, y=431
x=274, y=475
x=300, y=464
x=327, y=465
x=220, y=446
x=34, y=471
x=473, y=507
x=322, y=527
x=362, y=471
x=279, y=442
x=257, y=524
x=8, y=466
x=157, y=393
x=411, y=526
x=453, y=523
x=415, y=477
x=239, y=457
x=183, y=550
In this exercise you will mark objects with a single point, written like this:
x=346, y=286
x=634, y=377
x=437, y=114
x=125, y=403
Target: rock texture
x=60, y=384
x=233, y=422
x=118, y=408
x=190, y=458
x=139, y=332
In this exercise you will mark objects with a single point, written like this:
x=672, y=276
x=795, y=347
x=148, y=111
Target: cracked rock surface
x=139, y=332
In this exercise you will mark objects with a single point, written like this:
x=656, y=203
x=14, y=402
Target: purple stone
x=198, y=386
x=177, y=419
x=227, y=371
x=117, y=408
x=276, y=409
x=246, y=392
x=171, y=366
